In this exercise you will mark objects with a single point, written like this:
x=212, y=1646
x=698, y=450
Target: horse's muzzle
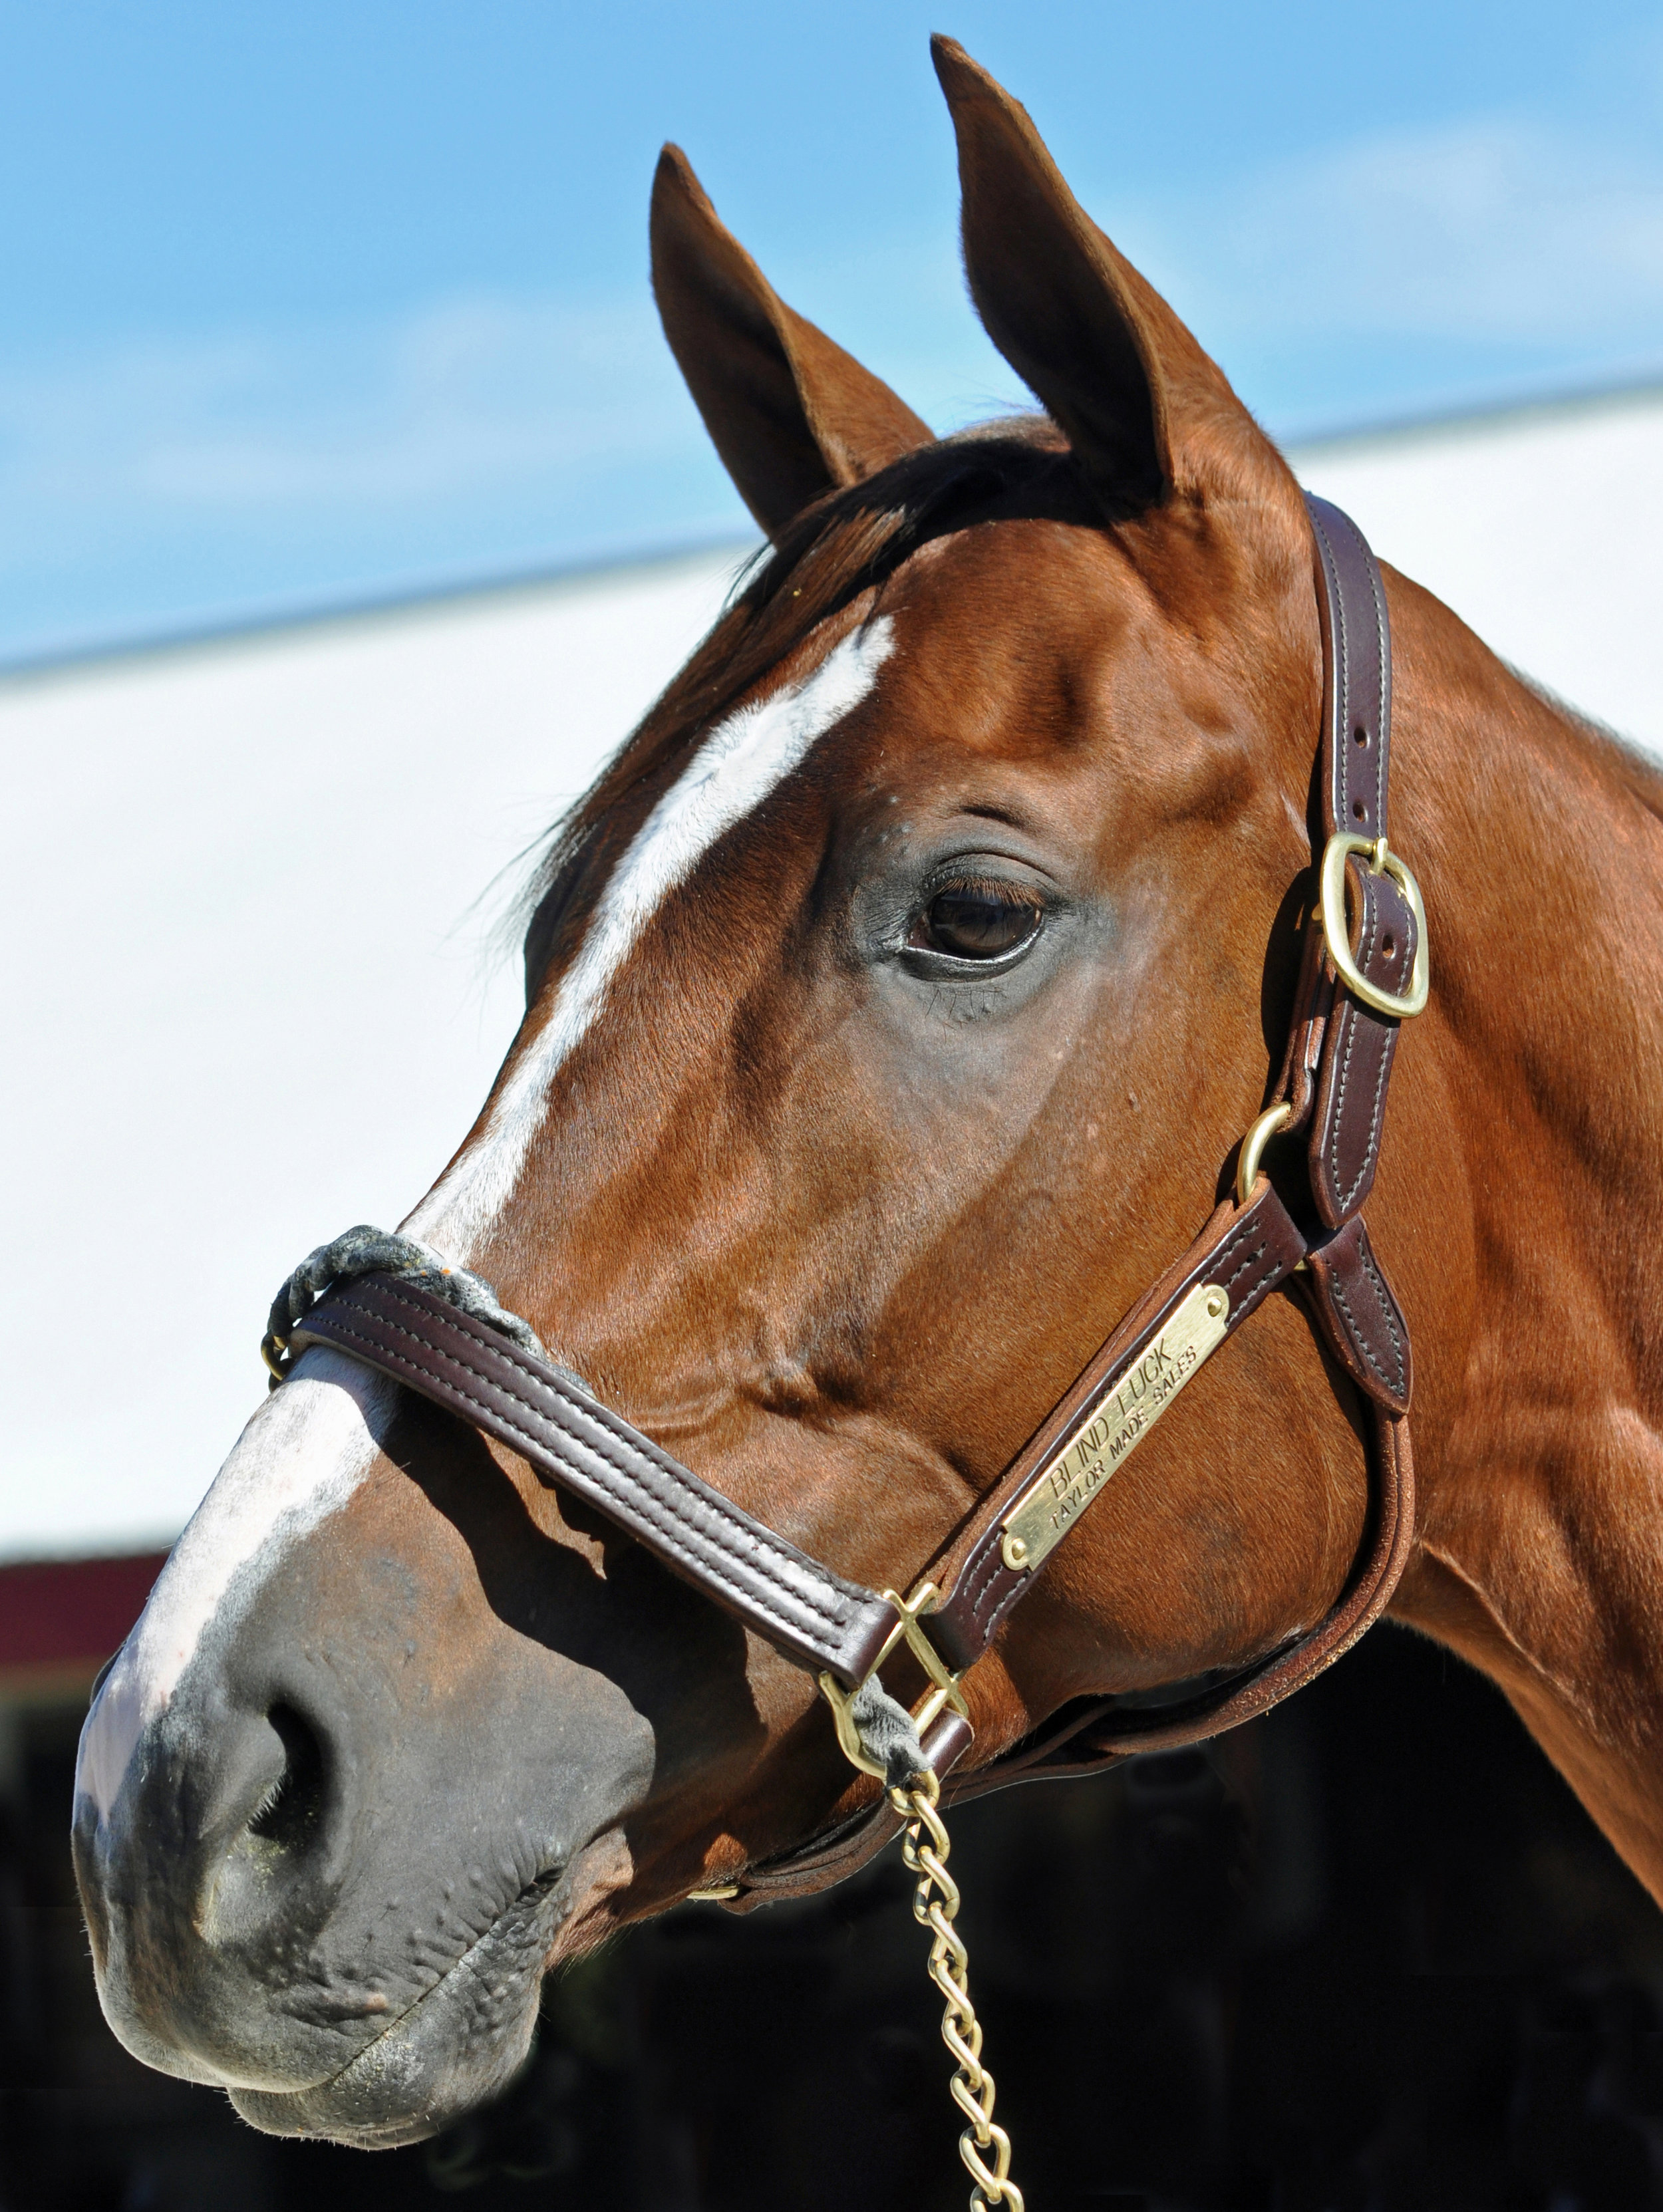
x=328, y=1874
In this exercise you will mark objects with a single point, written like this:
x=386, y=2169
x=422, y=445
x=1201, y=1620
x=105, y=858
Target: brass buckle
x=1381, y=858
x=944, y=1690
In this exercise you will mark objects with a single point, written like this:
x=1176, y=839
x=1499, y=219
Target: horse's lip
x=513, y=1952
x=539, y=1889
x=331, y=2108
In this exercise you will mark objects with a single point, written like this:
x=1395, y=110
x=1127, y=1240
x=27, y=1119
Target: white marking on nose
x=732, y=772
x=301, y=1457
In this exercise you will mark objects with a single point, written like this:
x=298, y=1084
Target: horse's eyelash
x=994, y=888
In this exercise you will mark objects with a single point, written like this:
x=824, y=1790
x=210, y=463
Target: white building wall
x=1544, y=529
x=244, y=998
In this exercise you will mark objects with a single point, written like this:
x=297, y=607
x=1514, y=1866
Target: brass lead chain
x=924, y=1848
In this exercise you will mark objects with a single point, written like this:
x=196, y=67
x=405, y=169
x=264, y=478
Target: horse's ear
x=790, y=413
x=1118, y=371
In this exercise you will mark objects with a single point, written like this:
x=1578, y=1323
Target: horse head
x=895, y=1004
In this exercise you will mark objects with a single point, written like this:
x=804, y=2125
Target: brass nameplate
x=1117, y=1425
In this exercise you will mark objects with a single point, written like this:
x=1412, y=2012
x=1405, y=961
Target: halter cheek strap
x=1363, y=971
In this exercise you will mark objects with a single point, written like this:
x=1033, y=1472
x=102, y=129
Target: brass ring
x=1269, y=1123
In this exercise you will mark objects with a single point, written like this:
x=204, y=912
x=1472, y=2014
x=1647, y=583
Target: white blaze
x=732, y=772
x=301, y=1455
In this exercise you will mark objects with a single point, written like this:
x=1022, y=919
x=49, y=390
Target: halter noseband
x=395, y=1306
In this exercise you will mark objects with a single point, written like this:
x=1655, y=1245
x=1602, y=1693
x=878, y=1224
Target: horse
x=896, y=1002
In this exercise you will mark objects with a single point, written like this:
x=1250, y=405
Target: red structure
x=60, y=1619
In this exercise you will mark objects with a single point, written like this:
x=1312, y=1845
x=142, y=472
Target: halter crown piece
x=397, y=1307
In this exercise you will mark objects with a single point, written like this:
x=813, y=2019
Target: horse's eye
x=978, y=921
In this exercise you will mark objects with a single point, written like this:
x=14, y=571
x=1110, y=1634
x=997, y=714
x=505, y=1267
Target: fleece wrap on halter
x=367, y=1251
x=885, y=1728
x=888, y=1735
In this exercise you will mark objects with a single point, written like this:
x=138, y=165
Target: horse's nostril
x=290, y=1812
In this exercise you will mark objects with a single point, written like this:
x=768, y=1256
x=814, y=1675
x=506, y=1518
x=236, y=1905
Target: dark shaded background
x=1367, y=1955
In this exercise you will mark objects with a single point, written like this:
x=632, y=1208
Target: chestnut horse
x=896, y=1001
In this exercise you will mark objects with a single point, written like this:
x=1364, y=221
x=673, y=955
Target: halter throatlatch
x=397, y=1306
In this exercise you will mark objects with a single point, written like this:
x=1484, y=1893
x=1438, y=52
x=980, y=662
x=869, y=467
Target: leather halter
x=1352, y=994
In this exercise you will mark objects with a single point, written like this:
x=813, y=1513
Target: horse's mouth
x=460, y=2042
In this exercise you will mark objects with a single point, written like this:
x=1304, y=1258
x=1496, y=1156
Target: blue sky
x=305, y=304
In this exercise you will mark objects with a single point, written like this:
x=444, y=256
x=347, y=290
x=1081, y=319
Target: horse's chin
x=462, y=2043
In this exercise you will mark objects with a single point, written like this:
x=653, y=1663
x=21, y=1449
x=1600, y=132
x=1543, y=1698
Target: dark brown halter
x=1351, y=998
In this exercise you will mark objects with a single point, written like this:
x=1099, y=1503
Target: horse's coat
x=731, y=773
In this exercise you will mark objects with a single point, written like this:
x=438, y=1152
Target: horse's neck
x=1544, y=862
x=1543, y=840
x=1526, y=1201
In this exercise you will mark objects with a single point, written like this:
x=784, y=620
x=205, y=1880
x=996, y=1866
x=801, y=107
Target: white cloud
x=1495, y=230
x=455, y=398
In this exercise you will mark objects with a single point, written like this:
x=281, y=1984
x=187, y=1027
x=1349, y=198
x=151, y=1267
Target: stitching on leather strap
x=1258, y=1252
x=761, y=1564
x=1359, y=1340
x=1003, y=1606
x=720, y=1509
x=1352, y=1016
x=1388, y=1321
x=493, y=1419
x=668, y=1536
x=1267, y=1281
x=1382, y=661
x=1237, y=1236
x=1342, y=674
x=990, y=1570
x=1383, y=665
